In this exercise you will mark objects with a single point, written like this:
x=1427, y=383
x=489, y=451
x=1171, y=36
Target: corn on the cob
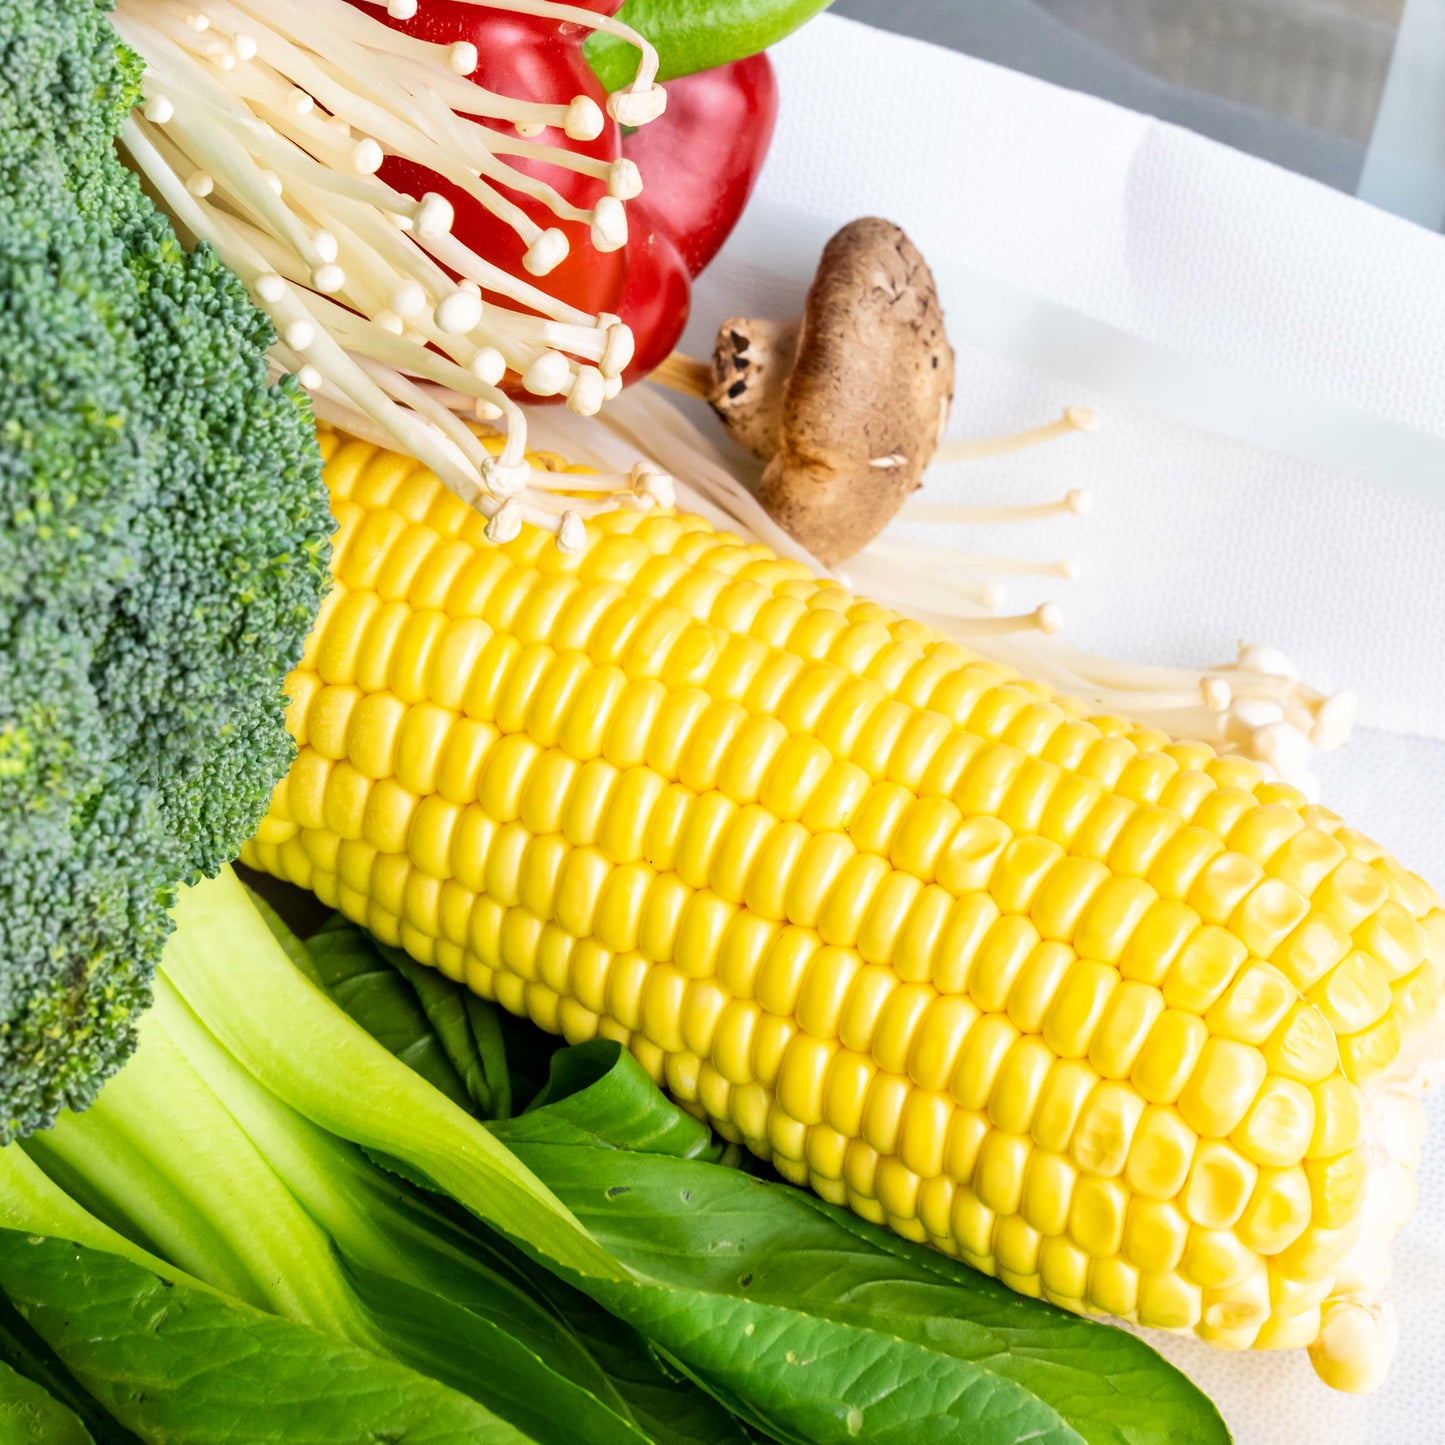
x=1124, y=1023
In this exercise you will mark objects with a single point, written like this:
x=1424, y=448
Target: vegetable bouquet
x=661, y=873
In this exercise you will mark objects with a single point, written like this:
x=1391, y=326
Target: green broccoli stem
x=374, y=1220
x=233, y=974
x=380, y=1224
x=160, y=1159
x=31, y=1201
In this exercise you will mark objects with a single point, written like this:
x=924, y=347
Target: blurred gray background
x=1351, y=92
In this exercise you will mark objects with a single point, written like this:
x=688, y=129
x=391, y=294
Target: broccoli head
x=163, y=547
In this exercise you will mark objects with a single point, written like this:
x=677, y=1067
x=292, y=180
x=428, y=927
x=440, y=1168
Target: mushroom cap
x=868, y=397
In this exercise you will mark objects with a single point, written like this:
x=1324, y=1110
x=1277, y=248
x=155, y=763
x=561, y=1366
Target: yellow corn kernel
x=1278, y=1210
x=1279, y=1125
x=1161, y=1154
x=801, y=1078
x=1303, y=1047
x=1048, y=1192
x=1234, y=1313
x=970, y=920
x=1220, y=1183
x=1032, y=994
x=1289, y=1332
x=1066, y=1092
x=998, y=1176
x=1000, y=959
x=1019, y=1084
x=923, y=1130
x=1305, y=860
x=897, y=1188
x=1222, y=1086
x=1339, y=1117
x=1337, y=1187
x=1254, y=1005
x=1268, y=916
x=1414, y=999
x=1064, y=1271
x=979, y=1061
x=972, y=1223
x=1114, y=1287
x=1077, y=1008
x=888, y=918
x=1393, y=938
x=1215, y=1259
x=898, y=1023
x=1096, y=1215
x=966, y=1133
x=1370, y=1052
x=1316, y=1252
x=1129, y=1018
x=1114, y=913
x=1155, y=1234
x=1105, y=1129
x=1016, y=1247
x=938, y=1040
x=1351, y=894
x=1169, y=1056
x=863, y=1007
x=1291, y=1296
x=1141, y=840
x=1160, y=935
x=1167, y=1301
x=1084, y=1007
x=1353, y=994
x=1204, y=969
x=771, y=1038
x=966, y=862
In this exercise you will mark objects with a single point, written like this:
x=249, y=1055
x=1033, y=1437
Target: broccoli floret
x=163, y=547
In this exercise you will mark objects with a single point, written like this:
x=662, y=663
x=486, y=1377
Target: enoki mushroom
x=263, y=128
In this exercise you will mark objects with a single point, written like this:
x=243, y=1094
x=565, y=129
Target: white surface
x=1268, y=358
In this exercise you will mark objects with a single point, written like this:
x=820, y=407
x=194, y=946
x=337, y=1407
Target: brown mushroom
x=847, y=407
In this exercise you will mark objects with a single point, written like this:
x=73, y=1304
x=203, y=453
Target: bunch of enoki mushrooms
x=262, y=131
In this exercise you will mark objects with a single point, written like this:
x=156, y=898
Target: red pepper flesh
x=658, y=295
x=702, y=157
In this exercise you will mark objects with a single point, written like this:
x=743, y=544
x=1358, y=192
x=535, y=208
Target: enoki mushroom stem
x=1076, y=502
x=1074, y=419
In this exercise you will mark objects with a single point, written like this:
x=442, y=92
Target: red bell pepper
x=698, y=162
